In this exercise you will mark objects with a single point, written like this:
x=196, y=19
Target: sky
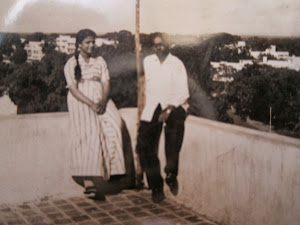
x=239, y=17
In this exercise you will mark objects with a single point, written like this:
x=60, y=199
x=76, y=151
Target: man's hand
x=164, y=115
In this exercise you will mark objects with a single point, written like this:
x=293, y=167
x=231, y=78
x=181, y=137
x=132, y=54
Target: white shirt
x=166, y=84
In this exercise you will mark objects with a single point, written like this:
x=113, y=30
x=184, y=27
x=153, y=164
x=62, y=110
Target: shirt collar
x=166, y=60
x=82, y=61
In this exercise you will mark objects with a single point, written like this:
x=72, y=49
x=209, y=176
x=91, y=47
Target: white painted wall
x=231, y=174
x=240, y=176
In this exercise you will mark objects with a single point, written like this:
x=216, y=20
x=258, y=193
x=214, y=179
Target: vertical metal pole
x=270, y=119
x=138, y=169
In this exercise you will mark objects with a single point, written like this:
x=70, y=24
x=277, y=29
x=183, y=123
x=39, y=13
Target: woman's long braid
x=77, y=67
x=80, y=36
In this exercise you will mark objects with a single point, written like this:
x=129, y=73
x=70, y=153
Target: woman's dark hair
x=80, y=36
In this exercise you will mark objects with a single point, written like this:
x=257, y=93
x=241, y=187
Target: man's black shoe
x=158, y=195
x=172, y=182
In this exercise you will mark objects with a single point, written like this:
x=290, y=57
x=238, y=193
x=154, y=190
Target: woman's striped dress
x=96, y=139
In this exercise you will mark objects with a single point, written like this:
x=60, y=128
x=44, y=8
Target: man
x=166, y=95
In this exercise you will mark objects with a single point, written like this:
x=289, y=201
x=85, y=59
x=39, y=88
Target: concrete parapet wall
x=240, y=176
x=230, y=174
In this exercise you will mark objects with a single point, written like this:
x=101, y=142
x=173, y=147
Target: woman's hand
x=101, y=106
x=94, y=107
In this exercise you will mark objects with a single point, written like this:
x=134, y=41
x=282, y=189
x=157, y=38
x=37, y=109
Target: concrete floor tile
x=24, y=207
x=65, y=207
x=123, y=204
x=132, y=222
x=16, y=222
x=133, y=209
x=99, y=215
x=116, y=212
x=115, y=198
x=183, y=213
x=43, y=204
x=107, y=207
x=139, y=201
x=62, y=221
x=149, y=206
x=124, y=217
x=194, y=219
x=80, y=218
x=73, y=212
x=107, y=220
x=83, y=204
x=157, y=211
x=60, y=202
x=89, y=223
x=130, y=207
x=6, y=210
x=92, y=209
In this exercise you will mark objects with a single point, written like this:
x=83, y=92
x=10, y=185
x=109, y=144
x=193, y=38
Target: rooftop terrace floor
x=129, y=207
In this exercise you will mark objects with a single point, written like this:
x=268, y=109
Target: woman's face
x=87, y=45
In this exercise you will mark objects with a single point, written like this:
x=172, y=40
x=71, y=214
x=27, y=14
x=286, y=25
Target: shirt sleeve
x=104, y=70
x=69, y=71
x=183, y=87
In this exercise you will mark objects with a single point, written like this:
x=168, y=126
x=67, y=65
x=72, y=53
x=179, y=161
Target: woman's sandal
x=90, y=190
x=94, y=194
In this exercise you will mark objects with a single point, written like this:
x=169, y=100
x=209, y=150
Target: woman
x=97, y=151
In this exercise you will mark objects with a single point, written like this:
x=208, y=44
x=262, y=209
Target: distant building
x=34, y=50
x=105, y=41
x=255, y=54
x=223, y=67
x=65, y=44
x=292, y=63
x=270, y=51
x=241, y=44
x=236, y=65
x=277, y=54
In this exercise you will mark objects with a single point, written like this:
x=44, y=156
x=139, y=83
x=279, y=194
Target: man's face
x=160, y=46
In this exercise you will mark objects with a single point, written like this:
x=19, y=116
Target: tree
x=51, y=72
x=25, y=88
x=19, y=56
x=258, y=87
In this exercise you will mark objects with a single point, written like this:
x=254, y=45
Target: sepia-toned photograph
x=142, y=112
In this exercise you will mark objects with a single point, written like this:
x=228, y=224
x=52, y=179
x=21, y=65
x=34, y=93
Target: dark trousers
x=148, y=141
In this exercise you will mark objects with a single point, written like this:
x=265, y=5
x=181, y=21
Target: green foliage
x=19, y=56
x=25, y=88
x=258, y=43
x=9, y=41
x=52, y=75
x=257, y=88
x=12, y=48
x=5, y=71
x=40, y=86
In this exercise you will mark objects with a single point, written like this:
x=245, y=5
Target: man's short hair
x=165, y=37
